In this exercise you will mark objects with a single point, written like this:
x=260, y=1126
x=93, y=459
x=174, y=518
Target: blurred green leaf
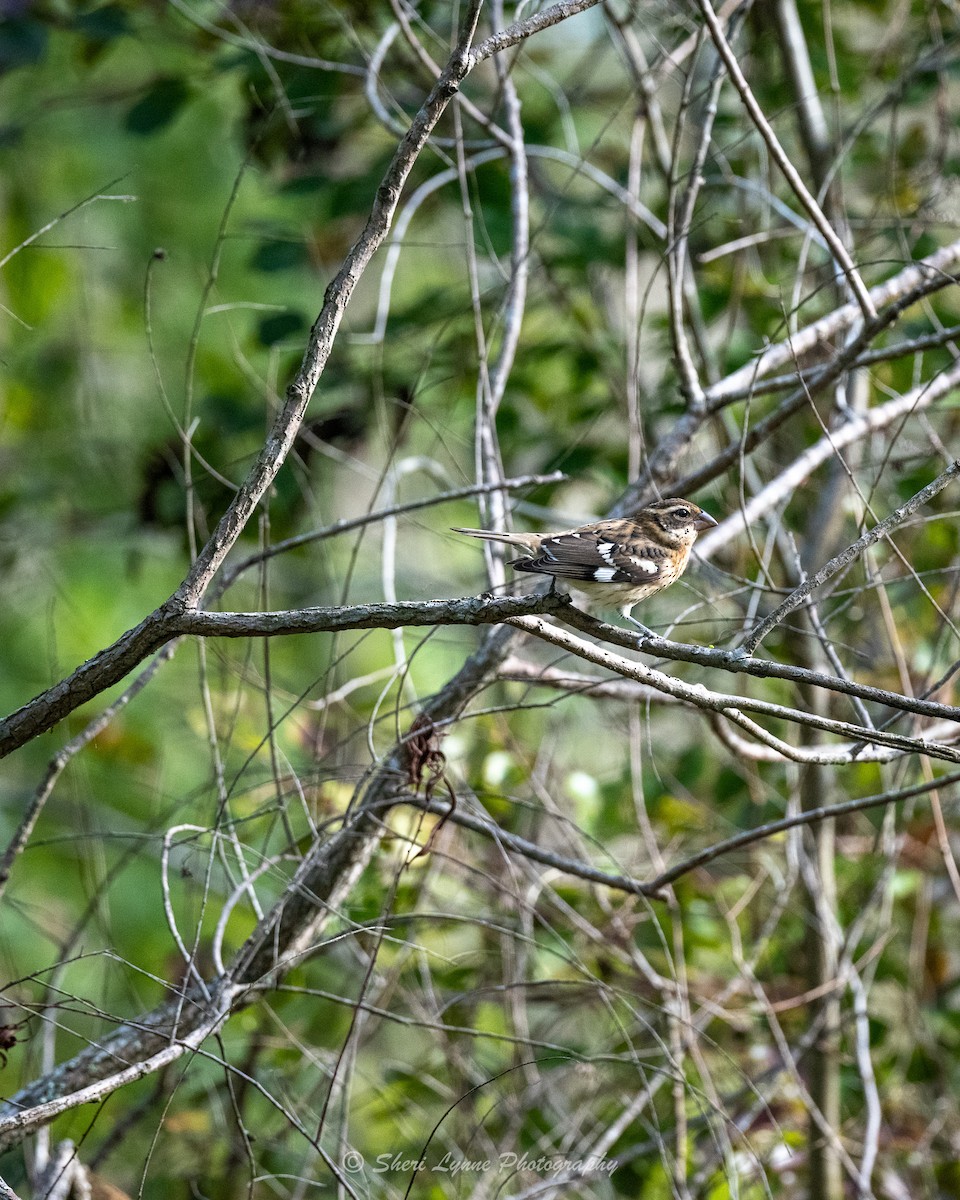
x=160, y=105
x=278, y=255
x=280, y=327
x=23, y=42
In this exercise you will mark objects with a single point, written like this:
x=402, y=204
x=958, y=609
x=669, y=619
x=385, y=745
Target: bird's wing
x=594, y=556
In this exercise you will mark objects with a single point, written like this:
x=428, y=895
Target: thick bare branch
x=112, y=664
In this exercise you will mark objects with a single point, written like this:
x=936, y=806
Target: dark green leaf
x=22, y=43
x=158, y=107
x=278, y=327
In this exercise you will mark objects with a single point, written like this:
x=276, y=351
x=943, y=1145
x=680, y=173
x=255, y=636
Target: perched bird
x=615, y=563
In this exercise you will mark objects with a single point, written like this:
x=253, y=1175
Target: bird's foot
x=647, y=633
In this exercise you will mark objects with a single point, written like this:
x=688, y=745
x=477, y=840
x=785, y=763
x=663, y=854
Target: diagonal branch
x=291, y=930
x=324, y=331
x=782, y=159
x=892, y=298
x=113, y=663
x=733, y=707
x=847, y=556
x=811, y=816
x=793, y=477
x=758, y=668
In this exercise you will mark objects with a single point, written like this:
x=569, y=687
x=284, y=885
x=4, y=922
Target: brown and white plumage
x=614, y=563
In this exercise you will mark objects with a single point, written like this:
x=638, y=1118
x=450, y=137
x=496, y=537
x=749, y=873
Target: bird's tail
x=528, y=541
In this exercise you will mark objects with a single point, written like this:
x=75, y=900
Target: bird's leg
x=643, y=629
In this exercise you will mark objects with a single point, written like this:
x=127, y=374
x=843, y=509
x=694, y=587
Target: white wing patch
x=604, y=574
x=645, y=564
x=605, y=550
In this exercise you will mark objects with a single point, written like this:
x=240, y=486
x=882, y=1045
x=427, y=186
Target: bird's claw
x=644, y=631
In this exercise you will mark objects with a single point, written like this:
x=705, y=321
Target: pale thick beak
x=704, y=521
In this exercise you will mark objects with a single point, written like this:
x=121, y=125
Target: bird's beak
x=704, y=521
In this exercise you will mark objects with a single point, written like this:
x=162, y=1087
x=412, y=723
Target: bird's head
x=680, y=518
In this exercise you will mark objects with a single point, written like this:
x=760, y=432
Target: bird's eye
x=682, y=512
